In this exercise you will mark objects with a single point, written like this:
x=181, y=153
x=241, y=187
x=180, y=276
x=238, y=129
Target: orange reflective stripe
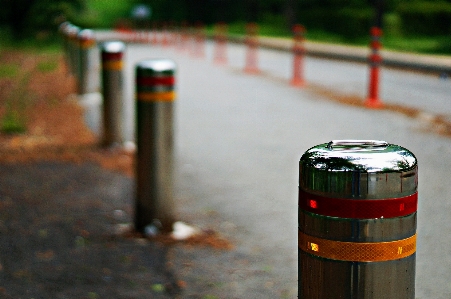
x=113, y=65
x=165, y=96
x=84, y=44
x=357, y=252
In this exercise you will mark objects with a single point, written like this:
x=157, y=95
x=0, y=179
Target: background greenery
x=412, y=25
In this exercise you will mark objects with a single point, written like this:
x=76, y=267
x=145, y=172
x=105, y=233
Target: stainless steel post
x=87, y=82
x=155, y=96
x=63, y=31
x=357, y=221
x=73, y=49
x=112, y=89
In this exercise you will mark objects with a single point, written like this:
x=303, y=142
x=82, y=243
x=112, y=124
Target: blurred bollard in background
x=112, y=89
x=89, y=78
x=74, y=55
x=155, y=98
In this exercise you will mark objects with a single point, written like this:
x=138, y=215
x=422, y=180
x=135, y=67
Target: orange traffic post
x=154, y=39
x=375, y=60
x=164, y=32
x=184, y=36
x=298, y=56
x=220, y=54
x=251, y=66
x=199, y=40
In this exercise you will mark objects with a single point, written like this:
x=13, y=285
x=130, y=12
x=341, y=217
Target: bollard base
x=252, y=70
x=297, y=82
x=374, y=103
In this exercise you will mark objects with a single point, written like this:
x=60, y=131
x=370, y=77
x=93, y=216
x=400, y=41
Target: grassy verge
x=392, y=40
x=19, y=62
x=103, y=13
x=14, y=119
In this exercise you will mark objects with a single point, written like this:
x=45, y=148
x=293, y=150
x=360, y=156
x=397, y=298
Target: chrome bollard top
x=359, y=169
x=113, y=47
x=86, y=34
x=157, y=65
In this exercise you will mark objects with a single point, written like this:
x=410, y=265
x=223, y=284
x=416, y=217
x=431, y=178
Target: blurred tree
x=26, y=17
x=290, y=13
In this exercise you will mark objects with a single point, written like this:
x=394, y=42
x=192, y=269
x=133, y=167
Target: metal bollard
x=87, y=82
x=357, y=221
x=112, y=88
x=72, y=32
x=154, y=137
x=63, y=32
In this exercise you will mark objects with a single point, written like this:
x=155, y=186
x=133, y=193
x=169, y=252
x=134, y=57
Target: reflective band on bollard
x=154, y=136
x=357, y=221
x=112, y=89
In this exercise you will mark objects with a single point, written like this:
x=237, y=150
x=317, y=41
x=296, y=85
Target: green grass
x=8, y=70
x=392, y=40
x=47, y=66
x=14, y=119
x=102, y=13
x=12, y=123
x=49, y=45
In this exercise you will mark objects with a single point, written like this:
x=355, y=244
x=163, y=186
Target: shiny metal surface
x=357, y=169
x=112, y=89
x=328, y=279
x=357, y=230
x=113, y=47
x=155, y=138
x=156, y=67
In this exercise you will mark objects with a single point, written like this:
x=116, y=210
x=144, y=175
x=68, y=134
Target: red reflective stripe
x=112, y=56
x=358, y=208
x=156, y=81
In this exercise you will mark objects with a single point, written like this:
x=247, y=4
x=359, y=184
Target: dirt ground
x=59, y=211
x=55, y=129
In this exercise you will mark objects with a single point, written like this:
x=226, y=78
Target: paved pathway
x=238, y=142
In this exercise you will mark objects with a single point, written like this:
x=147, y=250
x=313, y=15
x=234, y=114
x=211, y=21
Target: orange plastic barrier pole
x=251, y=66
x=298, y=56
x=199, y=40
x=220, y=55
x=164, y=32
x=154, y=33
x=373, y=100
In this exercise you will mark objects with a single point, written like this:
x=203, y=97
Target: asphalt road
x=239, y=138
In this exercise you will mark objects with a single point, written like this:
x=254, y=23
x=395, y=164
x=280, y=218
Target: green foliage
x=425, y=17
x=47, y=66
x=8, y=70
x=12, y=122
x=101, y=13
x=419, y=44
x=351, y=23
x=158, y=288
x=27, y=18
